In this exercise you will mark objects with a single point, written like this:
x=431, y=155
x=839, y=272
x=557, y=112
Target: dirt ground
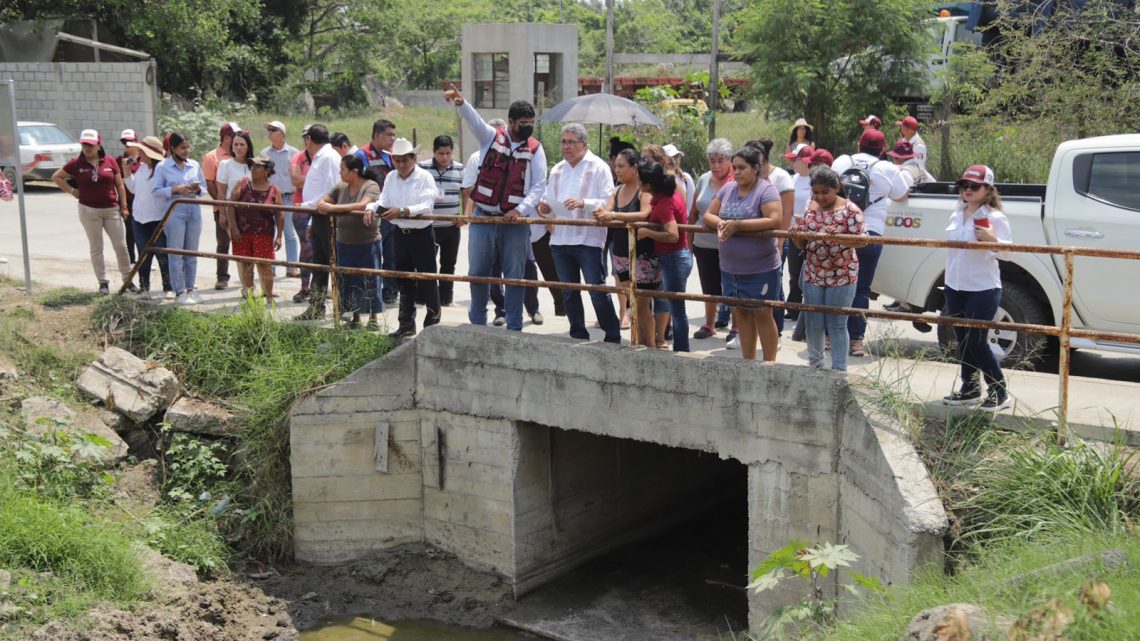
x=255, y=602
x=410, y=582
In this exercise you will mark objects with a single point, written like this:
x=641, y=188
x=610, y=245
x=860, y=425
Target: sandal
x=625, y=322
x=857, y=349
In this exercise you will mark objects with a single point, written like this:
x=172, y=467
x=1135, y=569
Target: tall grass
x=46, y=365
x=67, y=540
x=1011, y=580
x=262, y=367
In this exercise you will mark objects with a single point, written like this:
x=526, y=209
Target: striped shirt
x=447, y=181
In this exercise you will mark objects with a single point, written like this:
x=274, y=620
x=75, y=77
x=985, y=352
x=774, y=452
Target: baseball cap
x=262, y=161
x=276, y=124
x=671, y=150
x=821, y=157
x=872, y=120
x=903, y=150
x=910, y=122
x=230, y=128
x=305, y=130
x=978, y=174
x=801, y=151
x=873, y=139
x=129, y=135
x=90, y=137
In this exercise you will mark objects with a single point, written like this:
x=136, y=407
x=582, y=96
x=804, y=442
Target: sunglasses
x=968, y=186
x=272, y=129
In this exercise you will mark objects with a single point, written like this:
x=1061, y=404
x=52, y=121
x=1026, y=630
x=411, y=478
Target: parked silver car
x=44, y=148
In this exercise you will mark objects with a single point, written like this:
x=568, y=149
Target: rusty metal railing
x=1064, y=332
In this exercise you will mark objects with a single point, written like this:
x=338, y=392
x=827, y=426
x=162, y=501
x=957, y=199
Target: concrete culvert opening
x=616, y=535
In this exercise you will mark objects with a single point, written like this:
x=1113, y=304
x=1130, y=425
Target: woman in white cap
x=102, y=203
x=973, y=286
x=800, y=134
x=147, y=210
x=684, y=180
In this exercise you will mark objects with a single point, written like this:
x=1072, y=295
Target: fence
x=1064, y=332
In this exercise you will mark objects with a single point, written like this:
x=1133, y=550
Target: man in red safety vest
x=511, y=181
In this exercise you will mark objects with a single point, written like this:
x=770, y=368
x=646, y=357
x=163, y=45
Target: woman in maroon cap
x=102, y=203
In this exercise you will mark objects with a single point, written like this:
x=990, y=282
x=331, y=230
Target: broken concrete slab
x=127, y=384
x=165, y=575
x=199, y=417
x=43, y=414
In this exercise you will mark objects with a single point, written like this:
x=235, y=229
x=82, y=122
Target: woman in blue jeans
x=830, y=268
x=180, y=177
x=973, y=287
x=667, y=208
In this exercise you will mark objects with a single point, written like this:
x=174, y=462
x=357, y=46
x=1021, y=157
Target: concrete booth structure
x=527, y=456
x=502, y=63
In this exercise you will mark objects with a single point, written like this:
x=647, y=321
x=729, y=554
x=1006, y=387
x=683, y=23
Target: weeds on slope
x=260, y=366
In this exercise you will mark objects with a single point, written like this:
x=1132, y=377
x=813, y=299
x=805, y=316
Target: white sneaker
x=185, y=298
x=733, y=343
x=169, y=294
x=195, y=296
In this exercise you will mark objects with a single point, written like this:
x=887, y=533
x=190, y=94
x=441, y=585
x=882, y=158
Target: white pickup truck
x=1092, y=200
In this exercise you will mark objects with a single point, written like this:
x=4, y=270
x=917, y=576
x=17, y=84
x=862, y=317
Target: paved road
x=59, y=254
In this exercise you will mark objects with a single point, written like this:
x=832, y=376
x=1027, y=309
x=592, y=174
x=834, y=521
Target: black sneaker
x=704, y=332
x=403, y=332
x=995, y=402
x=720, y=324
x=964, y=397
x=104, y=287
x=132, y=288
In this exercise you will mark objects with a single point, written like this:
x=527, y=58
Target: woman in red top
x=667, y=208
x=252, y=228
x=102, y=203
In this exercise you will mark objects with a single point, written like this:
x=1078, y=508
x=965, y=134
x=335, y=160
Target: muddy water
x=365, y=629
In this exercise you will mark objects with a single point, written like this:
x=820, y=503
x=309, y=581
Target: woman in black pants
x=705, y=252
x=973, y=287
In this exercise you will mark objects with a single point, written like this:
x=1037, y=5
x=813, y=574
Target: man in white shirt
x=512, y=178
x=281, y=153
x=323, y=175
x=908, y=131
x=409, y=192
x=886, y=183
x=578, y=185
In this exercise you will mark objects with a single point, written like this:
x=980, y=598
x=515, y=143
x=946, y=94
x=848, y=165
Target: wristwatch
x=404, y=211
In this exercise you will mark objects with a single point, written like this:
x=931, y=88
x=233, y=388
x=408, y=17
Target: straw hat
x=151, y=146
x=801, y=123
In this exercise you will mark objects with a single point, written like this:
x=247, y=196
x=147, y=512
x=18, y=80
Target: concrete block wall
x=343, y=508
x=472, y=410
x=108, y=96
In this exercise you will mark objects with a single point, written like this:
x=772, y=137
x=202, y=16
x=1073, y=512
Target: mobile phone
x=982, y=222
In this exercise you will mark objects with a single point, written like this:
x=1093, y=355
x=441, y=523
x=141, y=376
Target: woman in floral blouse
x=831, y=267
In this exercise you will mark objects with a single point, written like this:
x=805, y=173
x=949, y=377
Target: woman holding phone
x=180, y=177
x=973, y=287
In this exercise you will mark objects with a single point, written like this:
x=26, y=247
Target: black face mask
x=526, y=131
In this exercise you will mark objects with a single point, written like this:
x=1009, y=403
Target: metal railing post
x=635, y=326
x=1063, y=369
x=334, y=280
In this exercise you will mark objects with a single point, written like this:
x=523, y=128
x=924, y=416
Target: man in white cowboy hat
x=410, y=192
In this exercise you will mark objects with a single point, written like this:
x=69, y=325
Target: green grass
x=65, y=296
x=89, y=558
x=262, y=367
x=990, y=582
x=46, y=366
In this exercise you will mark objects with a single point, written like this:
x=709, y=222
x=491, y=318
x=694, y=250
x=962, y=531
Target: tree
x=833, y=62
x=1071, y=66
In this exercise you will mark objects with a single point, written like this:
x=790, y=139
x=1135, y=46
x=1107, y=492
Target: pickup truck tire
x=1015, y=350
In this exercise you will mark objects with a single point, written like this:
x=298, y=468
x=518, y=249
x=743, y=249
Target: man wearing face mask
x=512, y=178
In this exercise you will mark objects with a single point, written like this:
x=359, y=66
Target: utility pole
x=609, y=86
x=714, y=69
